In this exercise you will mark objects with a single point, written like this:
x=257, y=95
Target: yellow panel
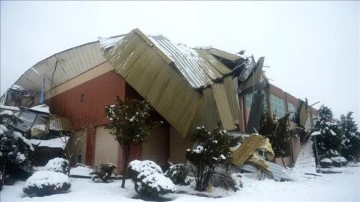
x=223, y=54
x=222, y=103
x=163, y=87
x=233, y=98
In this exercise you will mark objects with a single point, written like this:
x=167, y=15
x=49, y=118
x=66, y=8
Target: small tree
x=72, y=141
x=210, y=150
x=351, y=138
x=14, y=147
x=329, y=141
x=128, y=125
x=278, y=133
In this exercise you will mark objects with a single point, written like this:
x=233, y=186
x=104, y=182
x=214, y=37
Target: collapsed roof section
x=188, y=87
x=61, y=67
x=38, y=121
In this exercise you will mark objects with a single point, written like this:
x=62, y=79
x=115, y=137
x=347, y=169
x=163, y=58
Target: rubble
x=253, y=158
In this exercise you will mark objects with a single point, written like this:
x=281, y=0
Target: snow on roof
x=52, y=143
x=106, y=43
x=6, y=112
x=41, y=108
x=9, y=108
x=193, y=66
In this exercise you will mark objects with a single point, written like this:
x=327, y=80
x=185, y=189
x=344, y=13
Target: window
x=79, y=157
x=265, y=101
x=277, y=106
x=248, y=100
x=292, y=109
x=82, y=97
x=307, y=123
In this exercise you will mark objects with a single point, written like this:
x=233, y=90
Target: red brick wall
x=95, y=93
x=84, y=105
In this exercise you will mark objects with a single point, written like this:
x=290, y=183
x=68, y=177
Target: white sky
x=312, y=47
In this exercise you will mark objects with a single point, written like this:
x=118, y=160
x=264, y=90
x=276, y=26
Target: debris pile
x=252, y=158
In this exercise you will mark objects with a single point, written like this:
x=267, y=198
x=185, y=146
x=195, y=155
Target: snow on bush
x=211, y=149
x=58, y=165
x=43, y=183
x=149, y=179
x=177, y=173
x=326, y=163
x=339, y=161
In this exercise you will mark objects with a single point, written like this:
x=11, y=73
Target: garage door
x=178, y=146
x=156, y=148
x=106, y=147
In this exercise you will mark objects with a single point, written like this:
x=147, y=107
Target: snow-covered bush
x=16, y=151
x=103, y=172
x=177, y=173
x=43, y=183
x=339, y=161
x=149, y=179
x=209, y=151
x=224, y=180
x=58, y=165
x=326, y=163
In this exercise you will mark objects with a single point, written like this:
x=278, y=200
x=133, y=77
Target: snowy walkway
x=327, y=187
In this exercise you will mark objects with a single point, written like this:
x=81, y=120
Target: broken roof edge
x=33, y=68
x=223, y=54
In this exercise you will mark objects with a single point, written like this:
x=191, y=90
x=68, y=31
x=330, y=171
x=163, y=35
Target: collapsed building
x=187, y=87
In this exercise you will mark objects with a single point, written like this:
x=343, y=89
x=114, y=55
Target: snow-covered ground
x=344, y=186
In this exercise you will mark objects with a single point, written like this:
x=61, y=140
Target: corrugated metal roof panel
x=150, y=75
x=170, y=77
x=208, y=115
x=217, y=68
x=197, y=66
x=222, y=103
x=71, y=63
x=256, y=76
x=223, y=54
x=58, y=123
x=30, y=118
x=231, y=92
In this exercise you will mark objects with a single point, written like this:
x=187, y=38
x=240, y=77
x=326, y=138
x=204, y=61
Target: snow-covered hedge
x=149, y=179
x=43, y=183
x=339, y=161
x=326, y=163
x=334, y=161
x=58, y=165
x=177, y=173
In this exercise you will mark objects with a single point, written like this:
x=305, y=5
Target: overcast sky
x=312, y=48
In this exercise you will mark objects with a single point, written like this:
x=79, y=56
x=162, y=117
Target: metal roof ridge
x=32, y=68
